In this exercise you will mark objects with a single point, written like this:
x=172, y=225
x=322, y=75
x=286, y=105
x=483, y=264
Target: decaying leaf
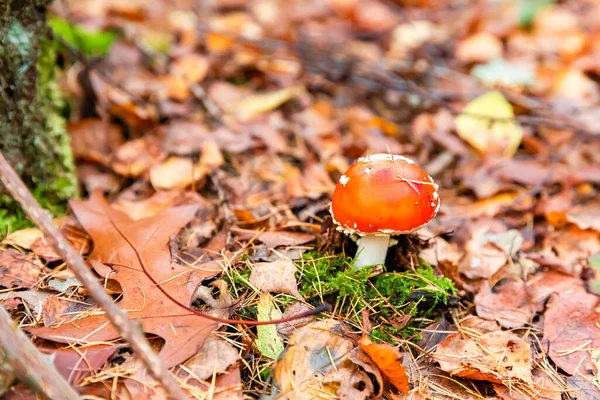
x=19, y=269
x=76, y=364
x=487, y=123
x=277, y=276
x=496, y=357
x=116, y=239
x=268, y=341
x=571, y=330
x=315, y=352
x=509, y=303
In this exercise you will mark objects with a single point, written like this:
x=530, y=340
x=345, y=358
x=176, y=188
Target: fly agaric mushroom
x=380, y=196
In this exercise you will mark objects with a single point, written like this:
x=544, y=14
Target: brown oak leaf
x=116, y=240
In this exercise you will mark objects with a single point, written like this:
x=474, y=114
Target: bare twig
x=29, y=364
x=131, y=333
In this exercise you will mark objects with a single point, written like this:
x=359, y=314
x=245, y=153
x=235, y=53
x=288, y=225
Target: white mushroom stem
x=372, y=250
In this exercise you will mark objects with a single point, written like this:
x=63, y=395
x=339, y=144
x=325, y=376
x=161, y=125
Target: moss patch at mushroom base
x=417, y=293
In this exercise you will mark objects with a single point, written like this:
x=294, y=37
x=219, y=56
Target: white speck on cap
x=385, y=157
x=436, y=195
x=368, y=171
x=344, y=180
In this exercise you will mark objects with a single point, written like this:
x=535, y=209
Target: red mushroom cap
x=386, y=194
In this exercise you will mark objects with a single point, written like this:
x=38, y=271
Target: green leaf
x=90, y=43
x=269, y=343
x=528, y=9
x=594, y=283
x=487, y=123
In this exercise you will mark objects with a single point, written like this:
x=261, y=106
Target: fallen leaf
x=114, y=257
x=94, y=140
x=137, y=156
x=156, y=203
x=389, y=361
x=484, y=257
x=215, y=357
x=19, y=269
x=585, y=216
x=542, y=285
x=593, y=283
x=315, y=351
x=567, y=250
x=286, y=329
x=570, y=329
x=495, y=357
x=191, y=67
x=23, y=238
x=76, y=364
x=277, y=277
x=509, y=303
x=177, y=173
x=544, y=388
x=487, y=123
x=481, y=47
x=582, y=387
x=285, y=238
x=57, y=310
x=268, y=341
x=257, y=104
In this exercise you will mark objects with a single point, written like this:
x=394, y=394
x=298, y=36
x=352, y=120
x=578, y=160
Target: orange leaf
x=389, y=361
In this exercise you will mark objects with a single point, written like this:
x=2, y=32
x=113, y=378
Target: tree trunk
x=32, y=132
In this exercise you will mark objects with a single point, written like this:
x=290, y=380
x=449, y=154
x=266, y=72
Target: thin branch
x=133, y=334
x=29, y=364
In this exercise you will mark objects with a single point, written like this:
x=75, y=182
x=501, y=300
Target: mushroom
x=380, y=196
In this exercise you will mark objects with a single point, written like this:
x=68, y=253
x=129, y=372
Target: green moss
x=417, y=293
x=324, y=274
x=33, y=135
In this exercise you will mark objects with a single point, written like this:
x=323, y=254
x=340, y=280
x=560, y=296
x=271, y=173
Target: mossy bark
x=32, y=132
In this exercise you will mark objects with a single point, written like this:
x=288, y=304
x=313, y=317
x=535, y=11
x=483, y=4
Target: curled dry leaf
x=496, y=357
x=277, y=277
x=389, y=361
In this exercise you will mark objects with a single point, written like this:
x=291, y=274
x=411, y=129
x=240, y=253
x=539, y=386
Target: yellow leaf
x=488, y=124
x=257, y=104
x=268, y=342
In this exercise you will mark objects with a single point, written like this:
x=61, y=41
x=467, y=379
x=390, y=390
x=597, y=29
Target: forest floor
x=209, y=138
